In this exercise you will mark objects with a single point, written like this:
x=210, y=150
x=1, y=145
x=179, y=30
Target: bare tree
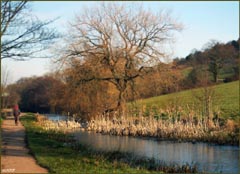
x=120, y=42
x=22, y=34
x=5, y=80
x=218, y=55
x=5, y=76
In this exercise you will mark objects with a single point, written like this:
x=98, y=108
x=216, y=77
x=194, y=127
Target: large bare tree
x=120, y=43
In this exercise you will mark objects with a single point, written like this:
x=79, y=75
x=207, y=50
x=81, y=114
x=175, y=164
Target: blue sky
x=203, y=21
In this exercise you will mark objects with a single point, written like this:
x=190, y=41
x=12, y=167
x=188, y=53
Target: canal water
x=208, y=157
x=56, y=117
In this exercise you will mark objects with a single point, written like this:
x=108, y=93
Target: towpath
x=15, y=157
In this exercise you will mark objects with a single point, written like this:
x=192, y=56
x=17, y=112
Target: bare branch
x=23, y=35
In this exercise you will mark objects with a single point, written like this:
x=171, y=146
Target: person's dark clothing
x=16, y=113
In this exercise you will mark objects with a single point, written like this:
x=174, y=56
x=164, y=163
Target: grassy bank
x=209, y=114
x=225, y=99
x=58, y=152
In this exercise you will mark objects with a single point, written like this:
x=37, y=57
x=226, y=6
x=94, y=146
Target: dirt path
x=15, y=157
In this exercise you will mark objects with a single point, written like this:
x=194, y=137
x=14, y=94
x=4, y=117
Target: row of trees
x=69, y=90
x=62, y=92
x=57, y=93
x=113, y=54
x=217, y=62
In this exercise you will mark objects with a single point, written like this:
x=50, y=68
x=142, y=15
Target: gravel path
x=15, y=157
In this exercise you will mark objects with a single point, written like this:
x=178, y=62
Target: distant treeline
x=65, y=92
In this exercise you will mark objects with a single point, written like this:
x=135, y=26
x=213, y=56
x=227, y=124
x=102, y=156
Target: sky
x=202, y=21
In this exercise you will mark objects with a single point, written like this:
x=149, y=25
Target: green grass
x=226, y=99
x=59, y=154
x=226, y=72
x=186, y=71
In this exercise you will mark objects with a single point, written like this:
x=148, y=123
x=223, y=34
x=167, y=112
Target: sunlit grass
x=226, y=99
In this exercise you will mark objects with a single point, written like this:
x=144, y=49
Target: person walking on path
x=16, y=113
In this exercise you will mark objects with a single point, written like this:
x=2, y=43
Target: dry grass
x=58, y=125
x=170, y=124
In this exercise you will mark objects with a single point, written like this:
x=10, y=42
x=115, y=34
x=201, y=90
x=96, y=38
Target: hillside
x=225, y=98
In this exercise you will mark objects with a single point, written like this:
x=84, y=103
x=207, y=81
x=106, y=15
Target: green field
x=225, y=98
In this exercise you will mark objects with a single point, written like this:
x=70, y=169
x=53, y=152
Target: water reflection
x=208, y=157
x=56, y=117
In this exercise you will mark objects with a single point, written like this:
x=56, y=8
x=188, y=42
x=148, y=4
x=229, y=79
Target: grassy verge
x=226, y=100
x=60, y=154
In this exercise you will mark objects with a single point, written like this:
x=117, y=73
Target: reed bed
x=169, y=125
x=56, y=125
x=176, y=124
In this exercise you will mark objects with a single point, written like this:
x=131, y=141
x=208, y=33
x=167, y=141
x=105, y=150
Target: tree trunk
x=120, y=103
x=215, y=77
x=121, y=85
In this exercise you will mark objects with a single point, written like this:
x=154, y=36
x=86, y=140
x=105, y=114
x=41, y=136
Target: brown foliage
x=162, y=80
x=120, y=52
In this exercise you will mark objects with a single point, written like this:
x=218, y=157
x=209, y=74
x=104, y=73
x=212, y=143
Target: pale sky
x=203, y=21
